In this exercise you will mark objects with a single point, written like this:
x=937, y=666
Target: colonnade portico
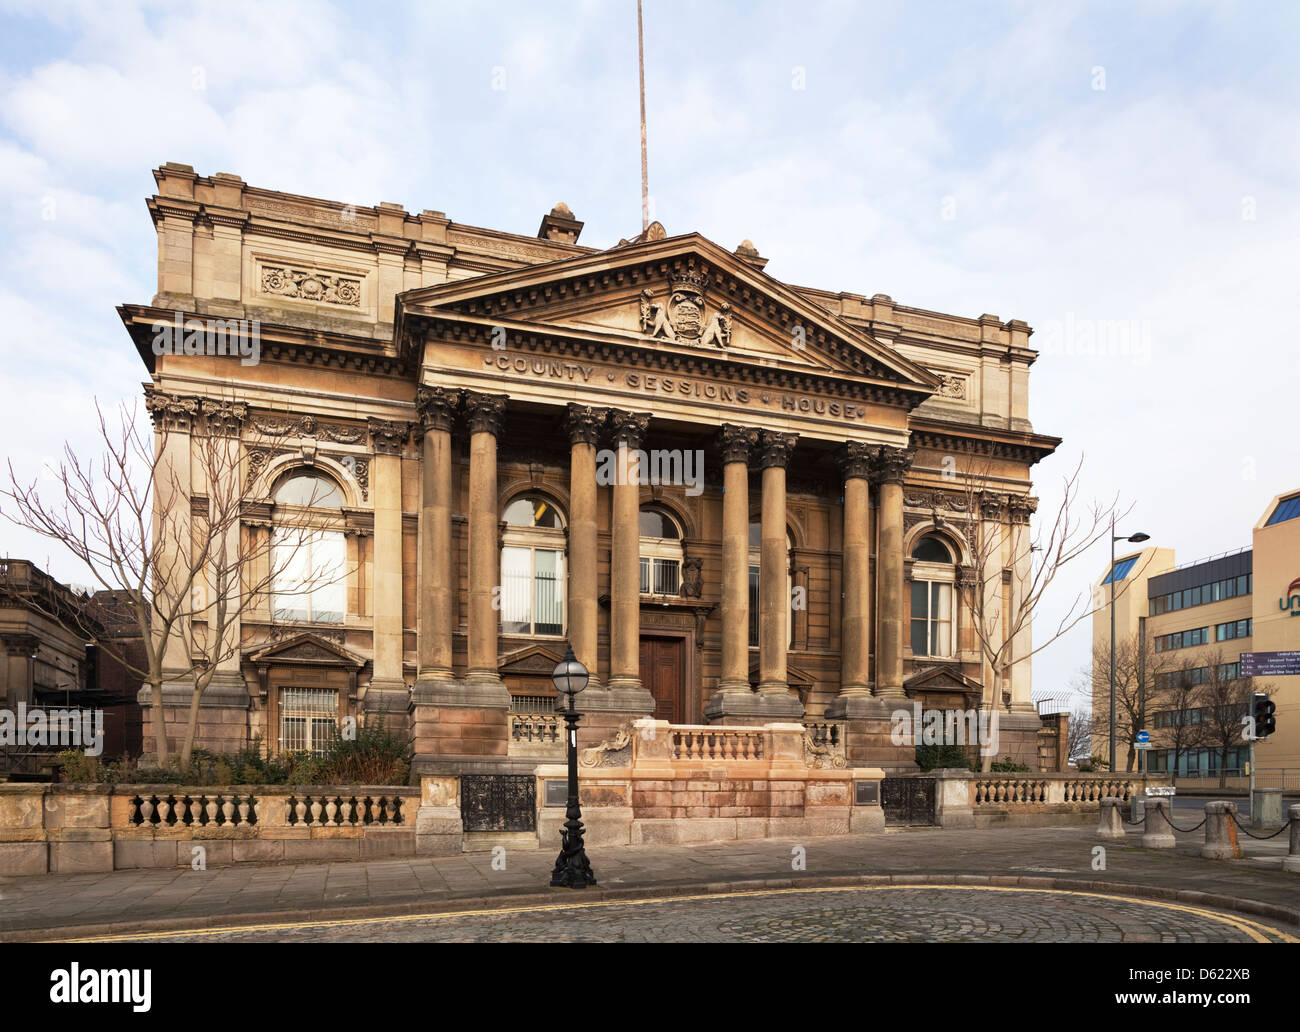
x=740, y=448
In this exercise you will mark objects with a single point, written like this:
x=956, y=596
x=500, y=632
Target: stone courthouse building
x=740, y=500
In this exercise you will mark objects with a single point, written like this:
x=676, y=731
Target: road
x=861, y=914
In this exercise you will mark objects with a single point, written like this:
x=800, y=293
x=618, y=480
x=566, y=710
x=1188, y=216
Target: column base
x=619, y=695
x=865, y=707
x=480, y=693
x=386, y=695
x=758, y=706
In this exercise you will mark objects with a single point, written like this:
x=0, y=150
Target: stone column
x=894, y=463
x=584, y=425
x=387, y=688
x=856, y=460
x=485, y=413
x=736, y=443
x=625, y=575
x=1020, y=509
x=437, y=593
x=773, y=594
x=219, y=457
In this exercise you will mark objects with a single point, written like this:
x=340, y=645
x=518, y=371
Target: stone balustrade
x=76, y=828
x=970, y=799
x=539, y=735
x=720, y=744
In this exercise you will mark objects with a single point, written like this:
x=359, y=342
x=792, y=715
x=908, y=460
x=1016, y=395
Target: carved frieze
x=309, y=426
x=308, y=284
x=951, y=387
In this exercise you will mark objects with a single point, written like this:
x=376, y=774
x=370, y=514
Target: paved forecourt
x=124, y=902
x=922, y=913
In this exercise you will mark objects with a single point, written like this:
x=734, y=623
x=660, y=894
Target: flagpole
x=645, y=183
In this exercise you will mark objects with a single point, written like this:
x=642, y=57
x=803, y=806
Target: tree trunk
x=191, y=729
x=159, y=722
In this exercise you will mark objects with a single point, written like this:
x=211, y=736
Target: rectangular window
x=309, y=573
x=931, y=616
x=753, y=606
x=307, y=719
x=532, y=590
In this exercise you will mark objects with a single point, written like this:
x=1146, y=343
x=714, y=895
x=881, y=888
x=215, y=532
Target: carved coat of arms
x=683, y=317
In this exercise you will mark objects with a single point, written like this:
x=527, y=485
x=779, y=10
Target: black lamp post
x=1138, y=537
x=572, y=868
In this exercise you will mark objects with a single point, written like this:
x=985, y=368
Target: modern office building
x=1192, y=623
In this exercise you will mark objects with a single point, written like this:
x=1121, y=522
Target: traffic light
x=1262, y=709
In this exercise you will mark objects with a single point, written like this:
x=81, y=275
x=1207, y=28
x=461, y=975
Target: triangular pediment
x=941, y=678
x=306, y=648
x=684, y=295
x=533, y=661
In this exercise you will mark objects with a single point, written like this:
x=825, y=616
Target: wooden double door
x=663, y=673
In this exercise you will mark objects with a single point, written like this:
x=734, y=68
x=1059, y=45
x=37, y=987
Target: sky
x=1121, y=176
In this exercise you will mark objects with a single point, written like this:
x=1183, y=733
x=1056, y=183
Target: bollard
x=1157, y=834
x=1221, y=832
x=1266, y=808
x=1291, y=862
x=1136, y=805
x=1112, y=819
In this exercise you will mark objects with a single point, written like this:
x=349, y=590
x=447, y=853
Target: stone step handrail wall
x=536, y=734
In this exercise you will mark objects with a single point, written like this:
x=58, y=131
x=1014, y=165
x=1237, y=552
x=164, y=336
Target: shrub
x=376, y=756
x=76, y=766
x=1007, y=767
x=932, y=757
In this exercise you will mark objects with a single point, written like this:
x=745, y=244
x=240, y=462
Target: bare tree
x=1080, y=735
x=1138, y=668
x=1180, y=697
x=1001, y=620
x=1227, y=701
x=156, y=519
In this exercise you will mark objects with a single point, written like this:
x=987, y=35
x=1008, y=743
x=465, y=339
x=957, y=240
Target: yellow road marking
x=1257, y=931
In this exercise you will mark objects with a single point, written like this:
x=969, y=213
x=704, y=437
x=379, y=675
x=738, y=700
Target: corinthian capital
x=629, y=428
x=224, y=418
x=436, y=407
x=736, y=442
x=776, y=449
x=387, y=436
x=171, y=411
x=894, y=464
x=857, y=459
x=486, y=412
x=1022, y=507
x=584, y=423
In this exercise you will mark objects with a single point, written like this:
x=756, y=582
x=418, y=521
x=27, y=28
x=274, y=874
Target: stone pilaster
x=735, y=444
x=894, y=463
x=387, y=689
x=485, y=413
x=628, y=432
x=857, y=464
x=437, y=591
x=584, y=425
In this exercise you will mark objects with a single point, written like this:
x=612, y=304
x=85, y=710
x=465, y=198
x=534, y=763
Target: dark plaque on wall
x=498, y=802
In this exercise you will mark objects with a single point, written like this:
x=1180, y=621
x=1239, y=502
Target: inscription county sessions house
x=443, y=398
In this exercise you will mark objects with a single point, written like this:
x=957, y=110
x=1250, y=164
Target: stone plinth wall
x=967, y=799
x=61, y=829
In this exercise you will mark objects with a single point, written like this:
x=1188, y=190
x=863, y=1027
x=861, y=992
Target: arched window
x=308, y=560
x=933, y=594
x=661, y=553
x=755, y=564
x=532, y=568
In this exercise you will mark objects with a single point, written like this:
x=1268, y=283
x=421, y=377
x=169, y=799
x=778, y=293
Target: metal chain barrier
x=1176, y=827
x=1237, y=820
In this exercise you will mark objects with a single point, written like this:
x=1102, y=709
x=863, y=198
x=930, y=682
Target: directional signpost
x=1270, y=664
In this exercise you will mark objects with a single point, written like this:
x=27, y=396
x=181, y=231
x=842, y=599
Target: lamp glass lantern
x=569, y=676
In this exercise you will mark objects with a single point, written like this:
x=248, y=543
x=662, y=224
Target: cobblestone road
x=913, y=914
